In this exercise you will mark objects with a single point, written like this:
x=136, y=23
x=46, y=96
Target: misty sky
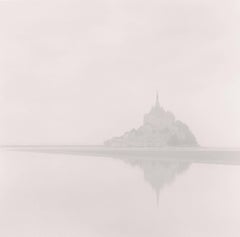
x=80, y=72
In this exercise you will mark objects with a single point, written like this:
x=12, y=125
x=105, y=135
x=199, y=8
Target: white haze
x=79, y=72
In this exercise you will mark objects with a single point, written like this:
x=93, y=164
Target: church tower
x=157, y=105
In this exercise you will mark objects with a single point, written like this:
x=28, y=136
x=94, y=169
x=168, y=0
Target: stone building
x=160, y=128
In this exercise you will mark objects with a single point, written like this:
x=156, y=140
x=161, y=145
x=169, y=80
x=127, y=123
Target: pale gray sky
x=79, y=72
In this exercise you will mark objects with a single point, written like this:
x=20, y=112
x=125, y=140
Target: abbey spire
x=157, y=101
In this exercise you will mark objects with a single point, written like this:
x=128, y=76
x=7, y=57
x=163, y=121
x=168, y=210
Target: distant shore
x=180, y=154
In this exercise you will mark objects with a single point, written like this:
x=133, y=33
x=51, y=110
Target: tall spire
x=157, y=101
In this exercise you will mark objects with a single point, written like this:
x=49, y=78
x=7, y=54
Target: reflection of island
x=159, y=173
x=160, y=166
x=159, y=129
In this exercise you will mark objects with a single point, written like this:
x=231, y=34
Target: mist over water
x=87, y=146
x=59, y=194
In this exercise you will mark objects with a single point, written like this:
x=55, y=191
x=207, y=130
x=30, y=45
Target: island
x=159, y=129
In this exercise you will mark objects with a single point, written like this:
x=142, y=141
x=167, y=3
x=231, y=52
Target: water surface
x=54, y=194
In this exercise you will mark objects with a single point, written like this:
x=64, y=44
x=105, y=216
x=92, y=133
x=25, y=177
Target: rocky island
x=159, y=129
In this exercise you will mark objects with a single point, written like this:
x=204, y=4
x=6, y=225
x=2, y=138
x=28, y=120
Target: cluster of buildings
x=159, y=129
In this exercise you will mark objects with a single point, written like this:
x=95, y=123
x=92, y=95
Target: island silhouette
x=159, y=129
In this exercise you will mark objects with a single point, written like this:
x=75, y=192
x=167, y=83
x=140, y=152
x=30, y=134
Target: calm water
x=70, y=195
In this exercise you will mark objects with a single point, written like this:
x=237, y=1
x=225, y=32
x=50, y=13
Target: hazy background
x=79, y=72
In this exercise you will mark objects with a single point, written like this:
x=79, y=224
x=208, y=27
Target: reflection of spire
x=159, y=173
x=157, y=195
x=157, y=101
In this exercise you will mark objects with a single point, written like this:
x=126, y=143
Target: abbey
x=159, y=129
